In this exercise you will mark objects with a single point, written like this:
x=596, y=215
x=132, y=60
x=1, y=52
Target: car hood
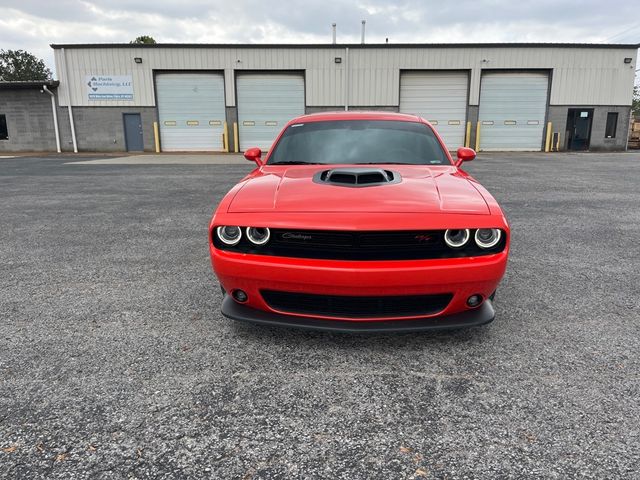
x=422, y=189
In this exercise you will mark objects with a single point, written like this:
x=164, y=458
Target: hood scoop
x=357, y=177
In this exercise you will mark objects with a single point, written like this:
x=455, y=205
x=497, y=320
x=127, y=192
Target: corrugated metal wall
x=586, y=76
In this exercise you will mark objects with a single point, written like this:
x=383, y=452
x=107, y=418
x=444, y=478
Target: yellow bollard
x=478, y=136
x=225, y=138
x=236, y=143
x=156, y=136
x=467, y=140
x=547, y=143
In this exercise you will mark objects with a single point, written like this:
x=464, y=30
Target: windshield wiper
x=384, y=163
x=293, y=162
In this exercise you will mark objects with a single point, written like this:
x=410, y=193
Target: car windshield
x=358, y=142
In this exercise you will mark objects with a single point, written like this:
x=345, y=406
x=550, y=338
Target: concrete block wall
x=558, y=116
x=66, y=144
x=29, y=121
x=101, y=129
x=30, y=124
x=598, y=140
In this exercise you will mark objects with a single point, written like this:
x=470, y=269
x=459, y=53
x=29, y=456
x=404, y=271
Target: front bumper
x=459, y=277
x=470, y=318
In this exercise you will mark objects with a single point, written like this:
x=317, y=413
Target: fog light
x=474, y=300
x=240, y=296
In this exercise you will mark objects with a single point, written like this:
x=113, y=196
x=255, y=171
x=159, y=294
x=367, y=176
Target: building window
x=4, y=133
x=612, y=123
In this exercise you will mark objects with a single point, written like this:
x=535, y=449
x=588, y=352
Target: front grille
x=356, y=307
x=358, y=245
x=364, y=245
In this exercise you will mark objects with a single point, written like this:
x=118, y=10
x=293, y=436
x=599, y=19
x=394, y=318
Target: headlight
x=488, y=237
x=258, y=235
x=229, y=235
x=456, y=238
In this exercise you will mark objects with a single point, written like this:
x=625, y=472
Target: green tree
x=147, y=39
x=20, y=65
x=635, y=105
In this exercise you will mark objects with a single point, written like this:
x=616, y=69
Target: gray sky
x=32, y=25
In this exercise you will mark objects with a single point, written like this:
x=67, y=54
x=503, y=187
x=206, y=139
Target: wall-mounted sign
x=109, y=87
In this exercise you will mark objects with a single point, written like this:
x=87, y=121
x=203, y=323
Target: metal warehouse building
x=181, y=97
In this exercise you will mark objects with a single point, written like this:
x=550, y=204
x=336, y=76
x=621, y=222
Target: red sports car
x=359, y=221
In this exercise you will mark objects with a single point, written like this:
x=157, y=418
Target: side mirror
x=253, y=155
x=465, y=154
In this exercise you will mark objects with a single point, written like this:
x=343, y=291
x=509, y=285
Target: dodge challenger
x=359, y=222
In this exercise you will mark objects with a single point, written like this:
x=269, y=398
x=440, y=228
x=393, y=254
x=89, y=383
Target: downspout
x=68, y=88
x=629, y=127
x=55, y=116
x=346, y=76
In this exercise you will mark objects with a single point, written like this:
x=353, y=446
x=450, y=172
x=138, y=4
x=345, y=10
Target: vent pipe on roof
x=333, y=30
x=362, y=37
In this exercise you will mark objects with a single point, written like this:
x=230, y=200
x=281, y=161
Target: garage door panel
x=191, y=109
x=439, y=97
x=266, y=102
x=512, y=111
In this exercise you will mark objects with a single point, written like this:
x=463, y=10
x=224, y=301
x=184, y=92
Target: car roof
x=356, y=115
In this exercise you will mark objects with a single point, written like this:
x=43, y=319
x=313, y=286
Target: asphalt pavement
x=116, y=363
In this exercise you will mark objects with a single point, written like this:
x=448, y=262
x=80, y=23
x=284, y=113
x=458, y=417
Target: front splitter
x=471, y=318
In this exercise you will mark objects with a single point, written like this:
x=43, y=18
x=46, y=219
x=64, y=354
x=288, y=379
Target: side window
x=612, y=123
x=4, y=133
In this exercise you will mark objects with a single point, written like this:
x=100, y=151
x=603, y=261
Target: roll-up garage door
x=441, y=98
x=512, y=111
x=191, y=110
x=266, y=102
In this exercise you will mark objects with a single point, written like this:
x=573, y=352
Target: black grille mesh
x=354, y=306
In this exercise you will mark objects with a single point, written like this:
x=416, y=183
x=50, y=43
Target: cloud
x=33, y=25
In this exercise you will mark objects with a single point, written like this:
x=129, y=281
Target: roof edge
x=57, y=46
x=27, y=84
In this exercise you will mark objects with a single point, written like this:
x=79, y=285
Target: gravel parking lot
x=115, y=361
